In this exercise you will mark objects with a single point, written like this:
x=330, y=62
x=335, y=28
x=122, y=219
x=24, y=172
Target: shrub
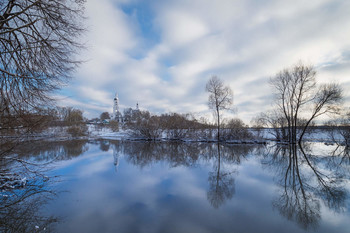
x=78, y=130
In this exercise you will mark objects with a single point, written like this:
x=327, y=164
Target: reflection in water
x=49, y=151
x=340, y=157
x=20, y=205
x=116, y=157
x=143, y=154
x=20, y=208
x=305, y=185
x=221, y=183
x=221, y=180
x=104, y=145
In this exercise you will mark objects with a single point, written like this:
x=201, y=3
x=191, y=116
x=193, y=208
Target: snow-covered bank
x=257, y=136
x=314, y=135
x=261, y=136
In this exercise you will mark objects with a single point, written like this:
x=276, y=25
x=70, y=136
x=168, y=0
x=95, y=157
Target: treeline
x=31, y=122
x=174, y=126
x=142, y=124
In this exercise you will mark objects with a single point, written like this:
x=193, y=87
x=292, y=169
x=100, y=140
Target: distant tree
x=77, y=130
x=145, y=125
x=220, y=98
x=297, y=93
x=74, y=117
x=69, y=115
x=75, y=120
x=179, y=126
x=130, y=115
x=114, y=125
x=236, y=129
x=104, y=116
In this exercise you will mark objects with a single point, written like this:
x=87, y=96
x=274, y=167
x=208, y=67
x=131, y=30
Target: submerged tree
x=298, y=96
x=220, y=98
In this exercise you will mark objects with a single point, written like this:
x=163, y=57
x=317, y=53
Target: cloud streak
x=162, y=54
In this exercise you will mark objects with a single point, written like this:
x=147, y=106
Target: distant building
x=117, y=116
x=129, y=113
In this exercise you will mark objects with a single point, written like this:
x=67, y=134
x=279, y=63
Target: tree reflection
x=305, y=185
x=20, y=208
x=340, y=156
x=24, y=190
x=221, y=180
x=104, y=145
x=51, y=150
x=145, y=154
x=221, y=183
x=24, y=187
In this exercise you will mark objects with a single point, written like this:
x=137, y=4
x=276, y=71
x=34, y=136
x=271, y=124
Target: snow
x=11, y=181
x=106, y=133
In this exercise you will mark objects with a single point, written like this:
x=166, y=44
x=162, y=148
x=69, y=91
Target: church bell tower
x=116, y=113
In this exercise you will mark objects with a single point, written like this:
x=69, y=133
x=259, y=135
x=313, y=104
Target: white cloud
x=110, y=36
x=180, y=27
x=243, y=42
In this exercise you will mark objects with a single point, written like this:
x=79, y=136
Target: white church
x=117, y=115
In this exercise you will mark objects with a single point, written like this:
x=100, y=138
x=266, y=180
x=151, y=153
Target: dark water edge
x=126, y=186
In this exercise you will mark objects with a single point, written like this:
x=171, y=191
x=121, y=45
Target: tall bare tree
x=298, y=96
x=38, y=44
x=220, y=98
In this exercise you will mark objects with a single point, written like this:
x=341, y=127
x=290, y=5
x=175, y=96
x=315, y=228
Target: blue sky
x=161, y=53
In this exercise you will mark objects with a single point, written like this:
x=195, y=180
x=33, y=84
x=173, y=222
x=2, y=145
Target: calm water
x=113, y=186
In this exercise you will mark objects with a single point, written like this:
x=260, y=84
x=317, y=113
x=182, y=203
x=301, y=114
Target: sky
x=161, y=54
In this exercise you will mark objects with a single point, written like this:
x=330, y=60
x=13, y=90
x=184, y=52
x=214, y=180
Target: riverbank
x=258, y=136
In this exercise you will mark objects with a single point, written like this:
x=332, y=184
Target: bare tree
x=74, y=116
x=220, y=98
x=298, y=96
x=38, y=44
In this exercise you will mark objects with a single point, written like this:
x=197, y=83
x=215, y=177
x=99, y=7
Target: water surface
x=116, y=186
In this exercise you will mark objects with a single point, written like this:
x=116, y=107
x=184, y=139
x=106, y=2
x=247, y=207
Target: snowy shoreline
x=263, y=137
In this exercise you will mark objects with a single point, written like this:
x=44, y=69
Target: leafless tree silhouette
x=297, y=93
x=220, y=98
